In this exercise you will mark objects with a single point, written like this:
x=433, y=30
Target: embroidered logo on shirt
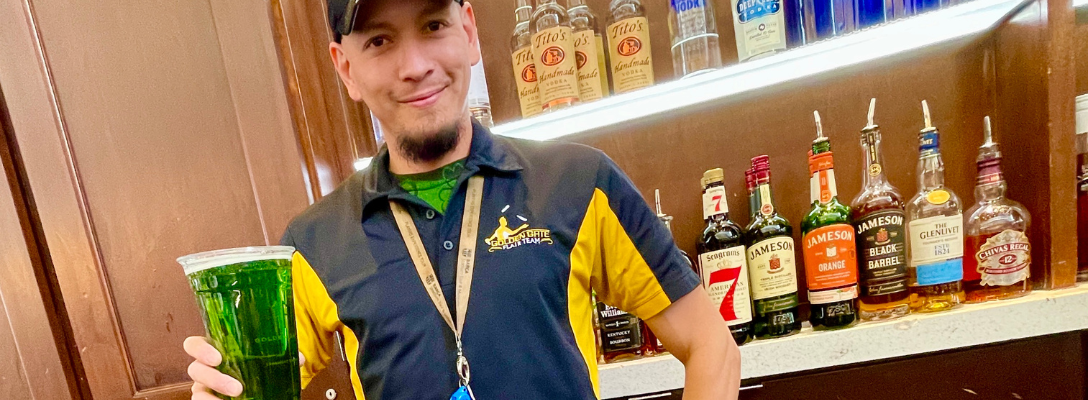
x=506, y=238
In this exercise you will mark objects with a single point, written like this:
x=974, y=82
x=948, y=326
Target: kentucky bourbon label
x=936, y=248
x=772, y=267
x=629, y=46
x=831, y=263
x=725, y=278
x=525, y=76
x=882, y=244
x=557, y=72
x=619, y=330
x=1004, y=260
x=589, y=69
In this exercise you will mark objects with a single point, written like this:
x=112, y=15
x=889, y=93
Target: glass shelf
x=897, y=37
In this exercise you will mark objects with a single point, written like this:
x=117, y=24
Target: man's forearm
x=712, y=373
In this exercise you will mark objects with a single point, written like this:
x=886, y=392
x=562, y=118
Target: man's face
x=410, y=62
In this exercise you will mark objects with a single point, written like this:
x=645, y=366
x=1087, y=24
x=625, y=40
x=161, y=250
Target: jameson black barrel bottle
x=772, y=264
x=723, y=264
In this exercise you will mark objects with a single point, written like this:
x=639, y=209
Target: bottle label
x=766, y=206
x=1003, y=260
x=629, y=46
x=833, y=296
x=938, y=197
x=602, y=64
x=882, y=242
x=620, y=331
x=725, y=277
x=772, y=267
x=936, y=247
x=822, y=186
x=691, y=18
x=589, y=70
x=714, y=202
x=555, y=66
x=830, y=263
x=759, y=26
x=525, y=76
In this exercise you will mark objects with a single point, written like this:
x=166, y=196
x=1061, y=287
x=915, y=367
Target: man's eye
x=377, y=42
x=434, y=26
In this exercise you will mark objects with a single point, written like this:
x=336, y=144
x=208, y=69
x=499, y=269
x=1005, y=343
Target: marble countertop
x=1040, y=313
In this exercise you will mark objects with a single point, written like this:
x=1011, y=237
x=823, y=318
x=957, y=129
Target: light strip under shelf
x=897, y=37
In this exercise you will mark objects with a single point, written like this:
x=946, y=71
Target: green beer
x=246, y=301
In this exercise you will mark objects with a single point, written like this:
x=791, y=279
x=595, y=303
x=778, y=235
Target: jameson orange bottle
x=521, y=45
x=553, y=49
x=772, y=263
x=629, y=46
x=589, y=52
x=997, y=265
x=831, y=264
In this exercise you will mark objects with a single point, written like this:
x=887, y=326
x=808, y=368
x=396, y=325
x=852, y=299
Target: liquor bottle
x=521, y=46
x=553, y=49
x=772, y=266
x=934, y=231
x=622, y=335
x=629, y=46
x=694, y=35
x=760, y=30
x=870, y=12
x=831, y=263
x=1082, y=205
x=589, y=52
x=828, y=18
x=656, y=347
x=879, y=223
x=479, y=103
x=998, y=262
x=723, y=265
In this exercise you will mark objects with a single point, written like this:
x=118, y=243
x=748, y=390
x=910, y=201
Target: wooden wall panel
x=150, y=132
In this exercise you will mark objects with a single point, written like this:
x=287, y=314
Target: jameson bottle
x=880, y=231
x=831, y=263
x=589, y=52
x=629, y=46
x=521, y=46
x=553, y=49
x=935, y=231
x=723, y=265
x=998, y=261
x=772, y=267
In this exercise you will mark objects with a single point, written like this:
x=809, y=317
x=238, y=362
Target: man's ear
x=343, y=68
x=468, y=21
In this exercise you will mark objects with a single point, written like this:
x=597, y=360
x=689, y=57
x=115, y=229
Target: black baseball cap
x=342, y=15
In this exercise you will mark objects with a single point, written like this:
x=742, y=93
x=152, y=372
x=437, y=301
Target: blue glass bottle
x=914, y=7
x=796, y=34
x=829, y=18
x=870, y=12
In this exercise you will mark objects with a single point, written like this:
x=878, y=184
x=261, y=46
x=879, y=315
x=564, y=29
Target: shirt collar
x=486, y=153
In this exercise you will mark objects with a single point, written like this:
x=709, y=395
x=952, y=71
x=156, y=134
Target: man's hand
x=205, y=376
x=693, y=331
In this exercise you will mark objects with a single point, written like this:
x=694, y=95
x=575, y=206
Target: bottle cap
x=989, y=150
x=872, y=126
x=819, y=128
x=928, y=138
x=750, y=179
x=761, y=168
x=713, y=175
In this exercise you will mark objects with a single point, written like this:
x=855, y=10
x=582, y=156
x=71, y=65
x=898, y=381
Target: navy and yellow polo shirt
x=558, y=221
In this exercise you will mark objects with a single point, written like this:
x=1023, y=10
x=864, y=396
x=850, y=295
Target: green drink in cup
x=246, y=301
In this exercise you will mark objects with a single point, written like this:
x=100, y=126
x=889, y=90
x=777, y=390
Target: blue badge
x=463, y=393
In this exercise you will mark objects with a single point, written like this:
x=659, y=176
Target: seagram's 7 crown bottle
x=723, y=265
x=934, y=231
x=553, y=51
x=772, y=263
x=521, y=46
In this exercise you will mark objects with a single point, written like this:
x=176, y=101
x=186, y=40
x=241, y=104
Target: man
x=363, y=266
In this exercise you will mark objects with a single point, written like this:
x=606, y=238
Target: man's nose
x=415, y=62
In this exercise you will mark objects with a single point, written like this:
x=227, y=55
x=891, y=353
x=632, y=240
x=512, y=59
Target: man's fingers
x=200, y=392
x=301, y=359
x=203, y=352
x=212, y=379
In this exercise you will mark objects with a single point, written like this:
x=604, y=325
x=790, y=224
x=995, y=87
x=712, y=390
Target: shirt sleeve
x=641, y=270
x=316, y=318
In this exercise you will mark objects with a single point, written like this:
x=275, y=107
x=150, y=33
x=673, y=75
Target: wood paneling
x=149, y=131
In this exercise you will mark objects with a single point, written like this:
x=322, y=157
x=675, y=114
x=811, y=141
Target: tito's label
x=525, y=76
x=555, y=66
x=1003, y=260
x=725, y=278
x=936, y=249
x=830, y=262
x=882, y=244
x=629, y=46
x=589, y=68
x=772, y=267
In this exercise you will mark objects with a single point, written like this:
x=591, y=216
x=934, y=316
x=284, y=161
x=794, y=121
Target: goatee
x=431, y=147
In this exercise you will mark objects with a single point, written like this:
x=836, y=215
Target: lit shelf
x=871, y=44
x=1040, y=313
